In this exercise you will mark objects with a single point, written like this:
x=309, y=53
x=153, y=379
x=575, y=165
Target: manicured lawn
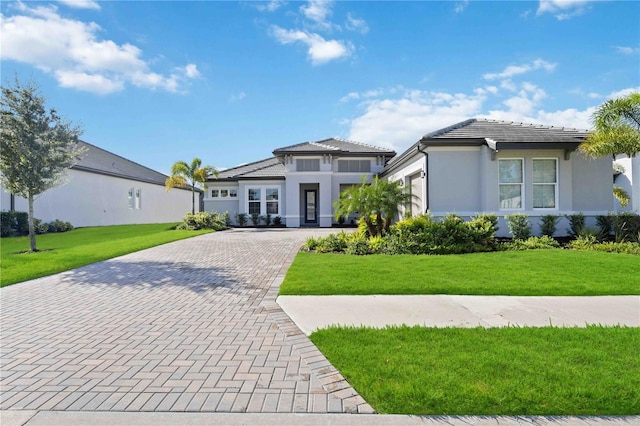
x=61, y=252
x=524, y=273
x=496, y=371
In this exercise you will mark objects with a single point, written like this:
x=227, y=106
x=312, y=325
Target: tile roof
x=263, y=169
x=98, y=160
x=333, y=145
x=506, y=131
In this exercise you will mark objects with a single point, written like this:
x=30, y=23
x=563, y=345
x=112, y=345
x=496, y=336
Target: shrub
x=277, y=221
x=626, y=226
x=589, y=242
x=311, y=244
x=548, y=225
x=576, y=224
x=584, y=242
x=59, y=226
x=483, y=229
x=492, y=218
x=203, y=220
x=605, y=225
x=7, y=223
x=358, y=245
x=241, y=218
x=332, y=243
x=227, y=219
x=40, y=227
x=267, y=219
x=532, y=243
x=519, y=226
x=255, y=219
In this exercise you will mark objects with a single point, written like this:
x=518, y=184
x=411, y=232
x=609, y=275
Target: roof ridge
x=319, y=143
x=538, y=126
x=359, y=143
x=450, y=128
x=247, y=164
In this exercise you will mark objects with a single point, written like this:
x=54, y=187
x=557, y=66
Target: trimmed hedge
x=13, y=224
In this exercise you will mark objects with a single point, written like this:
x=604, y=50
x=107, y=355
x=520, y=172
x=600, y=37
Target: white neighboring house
x=481, y=165
x=299, y=183
x=106, y=189
x=629, y=181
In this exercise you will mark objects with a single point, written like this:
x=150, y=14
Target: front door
x=310, y=206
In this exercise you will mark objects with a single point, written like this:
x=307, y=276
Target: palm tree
x=377, y=203
x=183, y=175
x=617, y=131
x=617, y=128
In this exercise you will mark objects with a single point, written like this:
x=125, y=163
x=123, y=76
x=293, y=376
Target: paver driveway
x=188, y=326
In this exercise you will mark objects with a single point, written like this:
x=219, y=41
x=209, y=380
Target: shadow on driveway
x=150, y=274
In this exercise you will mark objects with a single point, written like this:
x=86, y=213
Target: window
x=545, y=182
x=511, y=179
x=354, y=166
x=131, y=201
x=272, y=200
x=307, y=165
x=224, y=193
x=254, y=200
x=138, y=198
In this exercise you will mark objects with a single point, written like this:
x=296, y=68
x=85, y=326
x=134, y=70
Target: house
x=106, y=189
x=481, y=165
x=299, y=183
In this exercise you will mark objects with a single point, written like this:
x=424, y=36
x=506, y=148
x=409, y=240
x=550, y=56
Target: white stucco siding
x=412, y=173
x=262, y=185
x=90, y=199
x=293, y=197
x=222, y=197
x=592, y=184
x=629, y=181
x=454, y=180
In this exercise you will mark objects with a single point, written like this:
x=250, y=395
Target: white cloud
x=317, y=10
x=623, y=92
x=270, y=6
x=625, y=50
x=81, y=4
x=238, y=97
x=71, y=51
x=513, y=70
x=356, y=24
x=563, y=9
x=461, y=6
x=320, y=51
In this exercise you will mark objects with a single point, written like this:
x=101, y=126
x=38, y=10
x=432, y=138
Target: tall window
x=511, y=180
x=307, y=165
x=272, y=200
x=131, y=201
x=354, y=166
x=545, y=183
x=138, y=198
x=254, y=200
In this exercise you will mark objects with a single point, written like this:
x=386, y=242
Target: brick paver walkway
x=188, y=326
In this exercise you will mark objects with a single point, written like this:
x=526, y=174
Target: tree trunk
x=32, y=229
x=193, y=199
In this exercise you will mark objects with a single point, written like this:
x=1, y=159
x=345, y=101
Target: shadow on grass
x=146, y=274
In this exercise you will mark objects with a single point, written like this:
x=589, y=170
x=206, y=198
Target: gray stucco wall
x=592, y=183
x=454, y=180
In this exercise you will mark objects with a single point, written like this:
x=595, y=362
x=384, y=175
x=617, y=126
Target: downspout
x=426, y=176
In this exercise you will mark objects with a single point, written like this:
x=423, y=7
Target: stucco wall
x=592, y=183
x=454, y=176
x=629, y=181
x=90, y=199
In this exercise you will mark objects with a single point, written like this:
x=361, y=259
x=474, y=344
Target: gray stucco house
x=474, y=166
x=481, y=165
x=298, y=184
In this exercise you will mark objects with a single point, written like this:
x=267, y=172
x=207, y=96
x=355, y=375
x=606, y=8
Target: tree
x=377, y=203
x=617, y=131
x=617, y=128
x=37, y=146
x=183, y=175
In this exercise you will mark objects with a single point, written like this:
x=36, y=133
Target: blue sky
x=160, y=81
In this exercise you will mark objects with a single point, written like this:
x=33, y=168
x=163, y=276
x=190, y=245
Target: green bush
x=267, y=219
x=358, y=245
x=519, y=226
x=203, y=220
x=576, y=224
x=277, y=221
x=14, y=223
x=255, y=218
x=605, y=225
x=241, y=218
x=548, y=225
x=333, y=243
x=626, y=226
x=589, y=242
x=59, y=226
x=532, y=243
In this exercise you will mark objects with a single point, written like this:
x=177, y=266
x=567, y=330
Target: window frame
x=138, y=198
x=348, y=163
x=304, y=162
x=219, y=190
x=555, y=184
x=131, y=200
x=522, y=184
x=264, y=200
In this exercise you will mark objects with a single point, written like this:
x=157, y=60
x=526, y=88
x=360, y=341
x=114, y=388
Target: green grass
x=61, y=252
x=496, y=371
x=524, y=273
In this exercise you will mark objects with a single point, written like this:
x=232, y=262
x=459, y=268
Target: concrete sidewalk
x=313, y=312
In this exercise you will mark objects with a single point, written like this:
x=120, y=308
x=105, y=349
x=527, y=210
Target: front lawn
x=496, y=371
x=61, y=252
x=513, y=273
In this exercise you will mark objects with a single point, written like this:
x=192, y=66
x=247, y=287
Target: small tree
x=37, y=146
x=377, y=203
x=183, y=175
